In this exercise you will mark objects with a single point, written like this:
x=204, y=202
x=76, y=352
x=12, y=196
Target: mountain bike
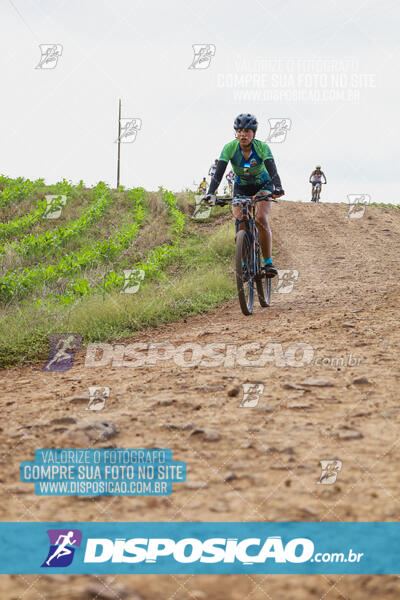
x=316, y=192
x=248, y=253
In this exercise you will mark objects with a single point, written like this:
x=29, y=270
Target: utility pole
x=119, y=143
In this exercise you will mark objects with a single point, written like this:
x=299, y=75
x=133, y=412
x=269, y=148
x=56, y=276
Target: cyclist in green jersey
x=255, y=170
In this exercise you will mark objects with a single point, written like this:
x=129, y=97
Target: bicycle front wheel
x=244, y=272
x=263, y=285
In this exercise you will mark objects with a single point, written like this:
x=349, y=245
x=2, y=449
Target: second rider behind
x=255, y=170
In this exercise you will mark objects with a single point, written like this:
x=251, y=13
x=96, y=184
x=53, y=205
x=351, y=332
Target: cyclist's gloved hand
x=279, y=191
x=209, y=199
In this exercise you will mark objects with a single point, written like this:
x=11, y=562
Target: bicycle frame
x=248, y=217
x=317, y=187
x=248, y=204
x=247, y=252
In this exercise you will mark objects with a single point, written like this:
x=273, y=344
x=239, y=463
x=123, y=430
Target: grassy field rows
x=118, y=213
x=155, y=260
x=40, y=243
x=150, y=233
x=30, y=218
x=18, y=225
x=199, y=278
x=25, y=203
x=13, y=191
x=15, y=285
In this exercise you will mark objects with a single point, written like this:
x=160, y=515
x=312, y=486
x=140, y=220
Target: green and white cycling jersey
x=253, y=170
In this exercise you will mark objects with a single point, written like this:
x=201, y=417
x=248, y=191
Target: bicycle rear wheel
x=244, y=272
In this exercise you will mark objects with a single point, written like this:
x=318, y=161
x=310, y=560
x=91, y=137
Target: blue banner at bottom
x=199, y=548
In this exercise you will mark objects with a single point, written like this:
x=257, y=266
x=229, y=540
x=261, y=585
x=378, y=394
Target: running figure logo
x=54, y=204
x=286, y=280
x=330, y=471
x=61, y=551
x=201, y=210
x=50, y=53
x=278, y=129
x=133, y=277
x=129, y=129
x=62, y=351
x=97, y=397
x=357, y=204
x=251, y=394
x=203, y=54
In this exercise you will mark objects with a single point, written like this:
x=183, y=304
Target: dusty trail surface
x=250, y=464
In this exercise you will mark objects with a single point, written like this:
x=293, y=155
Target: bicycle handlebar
x=245, y=199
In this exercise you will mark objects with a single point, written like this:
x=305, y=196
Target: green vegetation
x=15, y=190
x=16, y=285
x=383, y=205
x=39, y=244
x=151, y=267
x=199, y=278
x=184, y=267
x=20, y=224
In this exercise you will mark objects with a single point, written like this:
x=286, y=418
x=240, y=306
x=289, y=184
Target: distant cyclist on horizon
x=203, y=186
x=213, y=168
x=255, y=170
x=230, y=179
x=316, y=177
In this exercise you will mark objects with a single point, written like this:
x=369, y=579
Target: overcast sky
x=332, y=65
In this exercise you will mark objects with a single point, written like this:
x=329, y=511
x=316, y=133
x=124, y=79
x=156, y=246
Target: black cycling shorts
x=251, y=190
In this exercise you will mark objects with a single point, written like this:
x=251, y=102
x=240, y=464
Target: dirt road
x=258, y=463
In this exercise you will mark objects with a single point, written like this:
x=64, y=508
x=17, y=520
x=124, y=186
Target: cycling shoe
x=270, y=270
